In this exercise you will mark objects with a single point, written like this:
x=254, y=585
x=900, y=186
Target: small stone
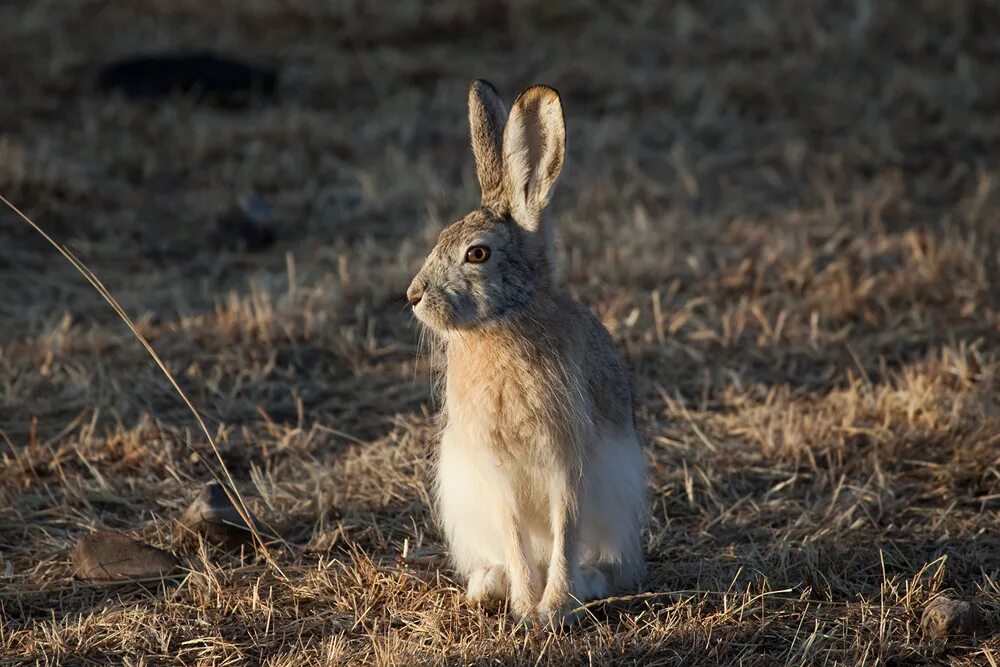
x=213, y=515
x=944, y=617
x=228, y=81
x=110, y=556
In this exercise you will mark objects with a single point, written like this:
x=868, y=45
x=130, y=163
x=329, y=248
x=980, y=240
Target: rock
x=225, y=80
x=944, y=617
x=248, y=225
x=110, y=556
x=214, y=516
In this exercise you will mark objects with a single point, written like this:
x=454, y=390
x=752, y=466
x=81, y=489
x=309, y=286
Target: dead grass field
x=787, y=213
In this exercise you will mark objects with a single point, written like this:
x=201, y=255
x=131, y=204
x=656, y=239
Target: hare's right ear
x=487, y=117
x=534, y=144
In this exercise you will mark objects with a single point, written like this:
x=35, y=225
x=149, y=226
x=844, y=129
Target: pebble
x=214, y=516
x=110, y=556
x=227, y=80
x=944, y=617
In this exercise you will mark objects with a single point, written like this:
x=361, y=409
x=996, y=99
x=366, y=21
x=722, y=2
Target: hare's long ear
x=487, y=116
x=534, y=143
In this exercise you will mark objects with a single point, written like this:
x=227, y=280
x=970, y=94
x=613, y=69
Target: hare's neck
x=493, y=355
x=479, y=359
x=480, y=350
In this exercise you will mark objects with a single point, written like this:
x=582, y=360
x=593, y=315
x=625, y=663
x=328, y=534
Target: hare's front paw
x=561, y=608
x=522, y=609
x=487, y=584
x=556, y=608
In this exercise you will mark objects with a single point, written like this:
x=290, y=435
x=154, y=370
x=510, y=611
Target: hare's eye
x=477, y=254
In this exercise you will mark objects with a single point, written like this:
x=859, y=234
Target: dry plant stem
x=91, y=277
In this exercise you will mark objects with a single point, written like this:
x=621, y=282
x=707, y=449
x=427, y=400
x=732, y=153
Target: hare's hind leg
x=613, y=513
x=478, y=514
x=487, y=584
x=591, y=584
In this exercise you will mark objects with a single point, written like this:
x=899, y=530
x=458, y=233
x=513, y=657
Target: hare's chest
x=496, y=406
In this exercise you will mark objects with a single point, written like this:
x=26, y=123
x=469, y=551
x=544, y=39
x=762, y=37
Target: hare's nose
x=414, y=294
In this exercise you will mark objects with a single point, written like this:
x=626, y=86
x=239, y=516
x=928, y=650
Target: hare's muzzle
x=414, y=293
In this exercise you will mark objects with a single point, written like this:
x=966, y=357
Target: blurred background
x=702, y=136
x=786, y=213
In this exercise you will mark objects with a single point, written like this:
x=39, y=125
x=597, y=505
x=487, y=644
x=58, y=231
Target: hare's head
x=489, y=267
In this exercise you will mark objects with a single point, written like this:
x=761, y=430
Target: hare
x=540, y=476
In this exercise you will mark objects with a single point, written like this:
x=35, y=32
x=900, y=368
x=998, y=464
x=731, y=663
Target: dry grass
x=785, y=212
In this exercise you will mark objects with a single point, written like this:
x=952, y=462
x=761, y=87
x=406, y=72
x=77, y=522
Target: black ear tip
x=482, y=85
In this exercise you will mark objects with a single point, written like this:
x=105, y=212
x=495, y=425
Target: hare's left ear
x=487, y=116
x=534, y=143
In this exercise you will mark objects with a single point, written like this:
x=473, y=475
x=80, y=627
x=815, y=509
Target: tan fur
x=540, y=476
x=534, y=144
x=487, y=117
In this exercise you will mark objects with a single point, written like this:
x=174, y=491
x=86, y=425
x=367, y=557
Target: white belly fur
x=475, y=492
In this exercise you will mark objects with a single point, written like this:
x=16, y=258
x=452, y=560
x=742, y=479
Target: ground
x=785, y=213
